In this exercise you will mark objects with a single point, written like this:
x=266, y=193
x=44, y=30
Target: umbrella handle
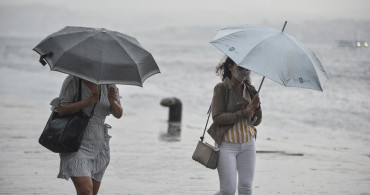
x=42, y=58
x=42, y=61
x=253, y=120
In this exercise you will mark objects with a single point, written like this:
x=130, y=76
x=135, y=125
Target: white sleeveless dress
x=93, y=156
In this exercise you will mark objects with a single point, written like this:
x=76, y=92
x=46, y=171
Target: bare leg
x=96, y=186
x=83, y=185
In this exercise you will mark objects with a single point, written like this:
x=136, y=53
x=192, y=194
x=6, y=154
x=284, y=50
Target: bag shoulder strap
x=210, y=107
x=227, y=96
x=79, y=96
x=79, y=90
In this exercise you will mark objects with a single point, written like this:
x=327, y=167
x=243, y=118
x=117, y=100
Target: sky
x=269, y=8
x=28, y=16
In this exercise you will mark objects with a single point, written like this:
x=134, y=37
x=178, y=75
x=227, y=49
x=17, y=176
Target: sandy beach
x=309, y=142
x=142, y=164
x=299, y=152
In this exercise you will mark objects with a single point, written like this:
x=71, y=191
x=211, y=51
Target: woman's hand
x=253, y=106
x=115, y=104
x=93, y=98
x=77, y=106
x=250, y=110
x=256, y=102
x=112, y=94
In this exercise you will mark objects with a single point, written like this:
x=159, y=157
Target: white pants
x=235, y=158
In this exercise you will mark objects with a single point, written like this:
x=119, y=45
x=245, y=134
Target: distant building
x=353, y=44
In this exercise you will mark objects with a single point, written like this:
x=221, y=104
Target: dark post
x=174, y=117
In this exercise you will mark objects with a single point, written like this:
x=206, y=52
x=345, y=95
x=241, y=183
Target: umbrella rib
x=260, y=44
x=305, y=50
x=101, y=59
x=115, y=38
x=148, y=74
x=61, y=34
x=322, y=69
x=74, y=45
x=133, y=44
x=151, y=73
x=49, y=38
x=64, y=34
x=137, y=42
x=243, y=30
x=278, y=33
x=122, y=47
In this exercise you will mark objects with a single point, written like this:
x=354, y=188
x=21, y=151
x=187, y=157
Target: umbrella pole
x=254, y=119
x=261, y=84
x=264, y=76
x=284, y=26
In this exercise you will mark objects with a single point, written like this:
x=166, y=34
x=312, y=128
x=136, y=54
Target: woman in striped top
x=235, y=104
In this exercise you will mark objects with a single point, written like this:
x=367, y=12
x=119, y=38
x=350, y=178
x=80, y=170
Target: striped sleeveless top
x=242, y=131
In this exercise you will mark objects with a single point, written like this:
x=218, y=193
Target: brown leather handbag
x=205, y=153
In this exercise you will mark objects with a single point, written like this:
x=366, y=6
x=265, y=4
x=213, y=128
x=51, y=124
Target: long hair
x=223, y=70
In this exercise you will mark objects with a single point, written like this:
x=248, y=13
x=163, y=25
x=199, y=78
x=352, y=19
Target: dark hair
x=223, y=70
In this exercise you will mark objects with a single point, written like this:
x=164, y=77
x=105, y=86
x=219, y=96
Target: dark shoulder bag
x=64, y=133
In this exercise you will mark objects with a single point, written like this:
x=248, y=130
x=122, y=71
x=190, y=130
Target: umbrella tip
x=284, y=26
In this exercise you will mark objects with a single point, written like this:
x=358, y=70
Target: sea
x=297, y=120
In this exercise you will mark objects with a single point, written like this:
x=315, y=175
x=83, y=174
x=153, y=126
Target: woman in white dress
x=86, y=167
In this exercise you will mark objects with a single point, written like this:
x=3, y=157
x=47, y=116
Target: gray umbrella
x=98, y=55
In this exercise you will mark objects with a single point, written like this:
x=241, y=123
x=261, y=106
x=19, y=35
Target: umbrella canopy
x=98, y=55
x=273, y=54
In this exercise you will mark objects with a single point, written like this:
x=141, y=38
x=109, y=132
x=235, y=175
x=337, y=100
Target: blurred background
x=330, y=129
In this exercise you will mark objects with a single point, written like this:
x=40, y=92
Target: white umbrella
x=272, y=54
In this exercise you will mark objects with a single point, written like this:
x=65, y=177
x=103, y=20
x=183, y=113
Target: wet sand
x=143, y=164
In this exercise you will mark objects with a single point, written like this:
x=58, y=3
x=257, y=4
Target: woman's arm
x=219, y=115
x=77, y=106
x=116, y=109
x=115, y=104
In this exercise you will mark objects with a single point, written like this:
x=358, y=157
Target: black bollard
x=174, y=117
